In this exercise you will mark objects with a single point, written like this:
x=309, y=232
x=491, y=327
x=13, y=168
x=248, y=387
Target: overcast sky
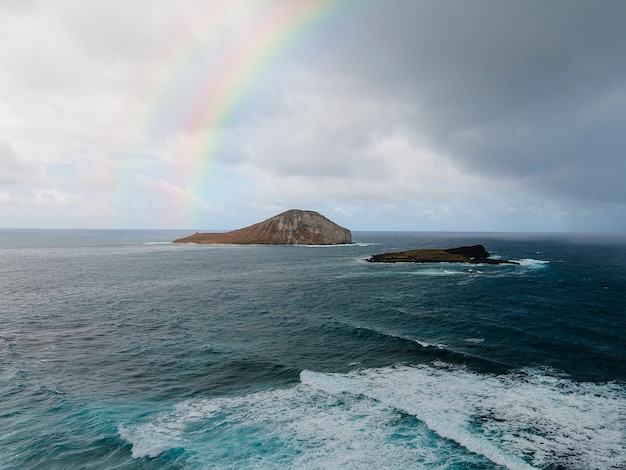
x=483, y=115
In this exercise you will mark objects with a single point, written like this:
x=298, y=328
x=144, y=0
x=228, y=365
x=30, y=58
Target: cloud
x=54, y=199
x=490, y=114
x=526, y=90
x=15, y=171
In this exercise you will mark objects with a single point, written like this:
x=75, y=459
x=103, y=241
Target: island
x=292, y=227
x=475, y=254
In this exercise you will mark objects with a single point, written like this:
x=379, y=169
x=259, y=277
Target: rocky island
x=476, y=254
x=293, y=227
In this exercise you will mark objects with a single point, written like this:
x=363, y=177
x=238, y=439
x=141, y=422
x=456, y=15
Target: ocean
x=122, y=350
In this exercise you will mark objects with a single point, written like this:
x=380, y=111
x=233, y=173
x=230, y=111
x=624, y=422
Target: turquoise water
x=119, y=349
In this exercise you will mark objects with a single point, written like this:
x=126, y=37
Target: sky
x=422, y=115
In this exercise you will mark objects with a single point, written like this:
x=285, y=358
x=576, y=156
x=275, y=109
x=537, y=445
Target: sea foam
x=533, y=263
x=298, y=427
x=399, y=417
x=518, y=421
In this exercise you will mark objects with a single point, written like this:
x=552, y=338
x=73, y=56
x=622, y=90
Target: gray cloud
x=14, y=170
x=530, y=90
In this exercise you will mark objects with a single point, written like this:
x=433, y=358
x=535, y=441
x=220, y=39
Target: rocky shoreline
x=475, y=254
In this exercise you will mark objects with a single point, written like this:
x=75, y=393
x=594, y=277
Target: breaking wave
x=399, y=417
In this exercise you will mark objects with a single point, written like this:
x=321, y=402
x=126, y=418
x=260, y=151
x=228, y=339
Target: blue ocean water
x=121, y=350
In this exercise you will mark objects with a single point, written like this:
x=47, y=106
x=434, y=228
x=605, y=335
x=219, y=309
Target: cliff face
x=293, y=227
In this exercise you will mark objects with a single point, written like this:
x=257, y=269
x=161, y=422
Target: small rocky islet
x=475, y=254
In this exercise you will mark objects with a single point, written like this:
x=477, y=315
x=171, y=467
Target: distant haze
x=489, y=115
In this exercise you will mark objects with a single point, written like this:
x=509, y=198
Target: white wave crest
x=443, y=271
x=150, y=440
x=296, y=427
x=516, y=421
x=533, y=263
x=398, y=417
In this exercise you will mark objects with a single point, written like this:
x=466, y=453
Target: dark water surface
x=121, y=350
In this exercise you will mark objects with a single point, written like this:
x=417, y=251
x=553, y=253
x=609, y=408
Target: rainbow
x=202, y=78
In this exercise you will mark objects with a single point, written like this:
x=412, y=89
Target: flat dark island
x=475, y=254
